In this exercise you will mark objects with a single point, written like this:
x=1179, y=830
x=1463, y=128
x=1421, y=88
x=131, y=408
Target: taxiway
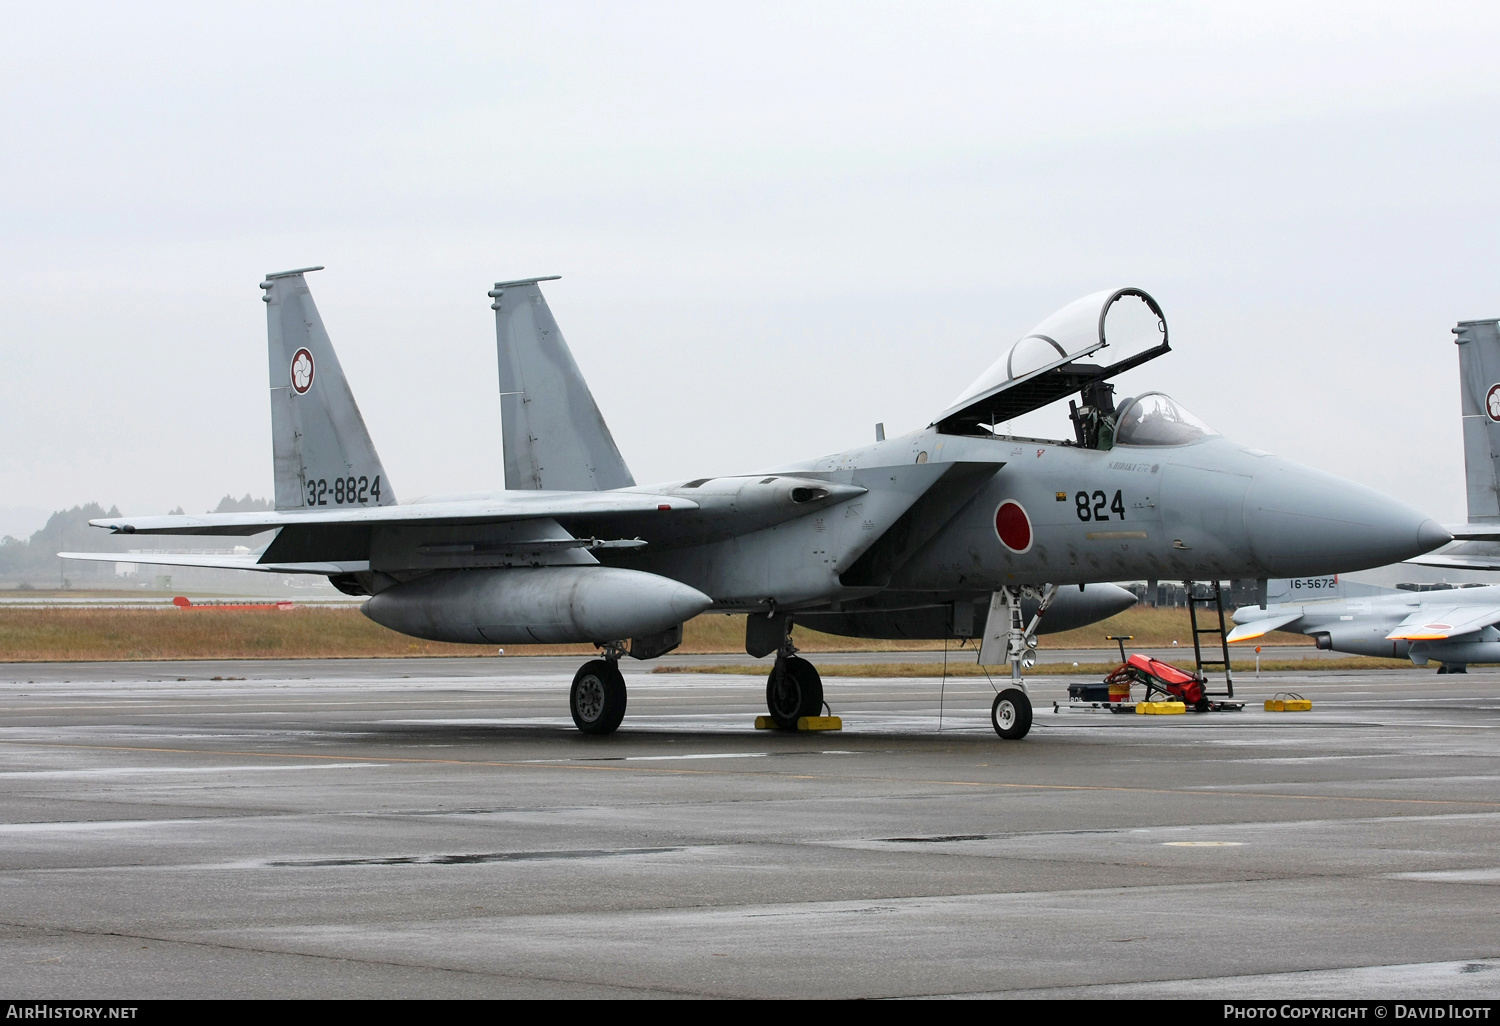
x=431, y=828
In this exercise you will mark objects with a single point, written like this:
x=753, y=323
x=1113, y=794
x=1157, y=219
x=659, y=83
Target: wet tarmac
x=437, y=828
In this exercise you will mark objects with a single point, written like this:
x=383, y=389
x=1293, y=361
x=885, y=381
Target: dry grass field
x=964, y=666
x=312, y=632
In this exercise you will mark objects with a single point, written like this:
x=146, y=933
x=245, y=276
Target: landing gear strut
x=597, y=699
x=1010, y=714
x=794, y=689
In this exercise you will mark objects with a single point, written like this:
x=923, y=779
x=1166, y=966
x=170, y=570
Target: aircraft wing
x=1255, y=628
x=221, y=562
x=514, y=505
x=1437, y=623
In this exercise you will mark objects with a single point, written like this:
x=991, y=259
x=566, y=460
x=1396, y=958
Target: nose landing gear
x=1007, y=631
x=1011, y=714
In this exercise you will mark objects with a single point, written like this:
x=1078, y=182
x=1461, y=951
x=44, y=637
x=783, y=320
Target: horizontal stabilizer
x=521, y=505
x=1436, y=623
x=1474, y=532
x=1256, y=628
x=224, y=562
x=1458, y=562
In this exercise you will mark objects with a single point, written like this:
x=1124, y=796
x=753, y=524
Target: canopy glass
x=1157, y=419
x=1042, y=366
x=1115, y=316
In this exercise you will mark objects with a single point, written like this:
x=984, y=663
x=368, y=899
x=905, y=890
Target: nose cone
x=1302, y=522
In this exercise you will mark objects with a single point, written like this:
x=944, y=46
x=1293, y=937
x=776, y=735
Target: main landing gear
x=597, y=700
x=793, y=688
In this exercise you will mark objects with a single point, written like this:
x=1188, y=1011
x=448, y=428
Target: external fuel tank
x=523, y=605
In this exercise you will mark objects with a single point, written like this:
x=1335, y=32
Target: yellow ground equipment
x=1160, y=708
x=1288, y=701
x=804, y=723
x=1169, y=690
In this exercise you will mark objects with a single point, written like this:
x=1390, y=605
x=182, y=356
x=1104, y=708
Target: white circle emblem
x=302, y=371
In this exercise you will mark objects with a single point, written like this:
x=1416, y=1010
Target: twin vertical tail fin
x=1479, y=384
x=554, y=436
x=553, y=433
x=322, y=452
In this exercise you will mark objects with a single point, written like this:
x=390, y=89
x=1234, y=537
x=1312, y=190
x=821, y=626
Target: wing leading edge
x=1258, y=628
x=1438, y=623
x=509, y=506
x=224, y=562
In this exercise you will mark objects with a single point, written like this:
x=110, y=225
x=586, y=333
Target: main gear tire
x=1011, y=714
x=793, y=690
x=597, y=699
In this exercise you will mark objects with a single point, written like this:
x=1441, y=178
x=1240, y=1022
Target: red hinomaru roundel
x=1013, y=526
x=302, y=371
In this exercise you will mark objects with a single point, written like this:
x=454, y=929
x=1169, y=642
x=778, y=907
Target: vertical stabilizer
x=1479, y=384
x=553, y=434
x=322, y=453
x=1284, y=591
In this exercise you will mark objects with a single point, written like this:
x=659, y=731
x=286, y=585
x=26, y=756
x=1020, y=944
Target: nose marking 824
x=1097, y=505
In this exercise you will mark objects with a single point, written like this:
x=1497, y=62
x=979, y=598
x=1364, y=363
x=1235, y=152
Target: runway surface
x=431, y=828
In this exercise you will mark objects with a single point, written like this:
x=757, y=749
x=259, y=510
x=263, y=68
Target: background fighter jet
x=950, y=531
x=1478, y=542
x=1453, y=627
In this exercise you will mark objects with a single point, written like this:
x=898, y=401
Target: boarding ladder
x=1213, y=604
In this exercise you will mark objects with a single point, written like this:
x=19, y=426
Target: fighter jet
x=1452, y=627
x=1477, y=544
x=960, y=529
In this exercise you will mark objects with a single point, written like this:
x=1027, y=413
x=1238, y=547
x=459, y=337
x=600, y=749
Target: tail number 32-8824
x=343, y=491
x=1098, y=506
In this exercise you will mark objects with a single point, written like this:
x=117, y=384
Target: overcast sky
x=776, y=224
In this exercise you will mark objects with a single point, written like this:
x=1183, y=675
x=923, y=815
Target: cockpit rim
x=1207, y=432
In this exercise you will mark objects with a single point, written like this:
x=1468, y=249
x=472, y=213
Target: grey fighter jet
x=1452, y=627
x=959, y=529
x=1477, y=543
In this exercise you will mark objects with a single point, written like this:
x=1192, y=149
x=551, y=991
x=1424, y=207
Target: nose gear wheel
x=1011, y=714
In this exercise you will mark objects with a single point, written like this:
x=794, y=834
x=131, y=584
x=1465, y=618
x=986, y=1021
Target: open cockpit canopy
x=1044, y=366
